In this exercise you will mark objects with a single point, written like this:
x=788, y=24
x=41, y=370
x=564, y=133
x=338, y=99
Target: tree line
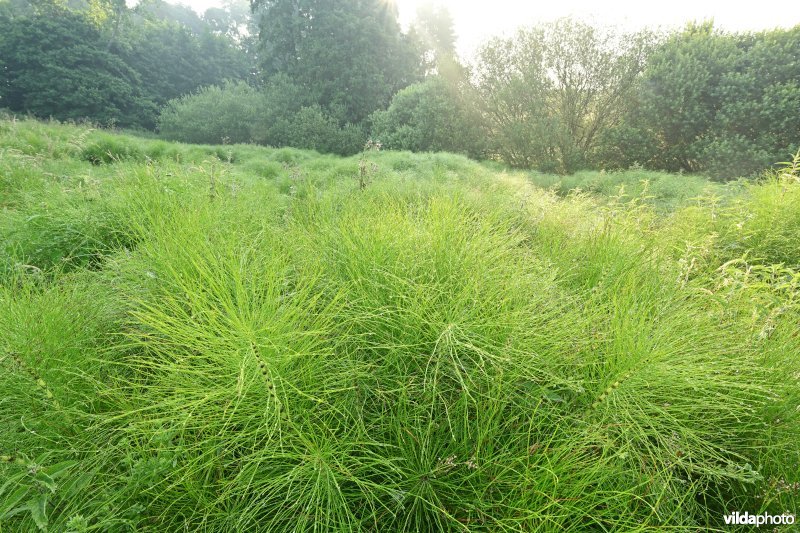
x=330, y=74
x=102, y=61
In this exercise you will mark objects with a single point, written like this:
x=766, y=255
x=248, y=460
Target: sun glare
x=477, y=21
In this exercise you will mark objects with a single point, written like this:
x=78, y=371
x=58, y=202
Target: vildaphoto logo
x=758, y=520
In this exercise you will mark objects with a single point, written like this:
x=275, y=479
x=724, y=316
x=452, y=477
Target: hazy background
x=477, y=21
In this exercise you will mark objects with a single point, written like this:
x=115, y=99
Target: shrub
x=214, y=115
x=275, y=116
x=312, y=128
x=551, y=89
x=733, y=156
x=716, y=102
x=432, y=116
x=623, y=146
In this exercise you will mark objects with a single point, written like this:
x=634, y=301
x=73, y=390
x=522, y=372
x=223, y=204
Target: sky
x=476, y=21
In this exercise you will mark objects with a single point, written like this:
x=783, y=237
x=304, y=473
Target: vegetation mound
x=237, y=338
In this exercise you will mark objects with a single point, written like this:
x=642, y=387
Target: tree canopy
x=550, y=90
x=349, y=54
x=721, y=103
x=107, y=63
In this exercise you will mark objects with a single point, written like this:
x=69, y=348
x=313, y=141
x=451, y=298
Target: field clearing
x=237, y=338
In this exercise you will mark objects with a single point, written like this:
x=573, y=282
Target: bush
x=714, y=102
x=292, y=118
x=431, y=116
x=278, y=115
x=729, y=157
x=551, y=89
x=214, y=115
x=312, y=128
x=624, y=146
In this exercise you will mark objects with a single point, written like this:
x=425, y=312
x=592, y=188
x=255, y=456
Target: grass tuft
x=238, y=338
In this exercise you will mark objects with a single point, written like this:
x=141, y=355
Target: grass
x=666, y=191
x=237, y=338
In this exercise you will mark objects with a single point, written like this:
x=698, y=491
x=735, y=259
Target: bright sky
x=476, y=20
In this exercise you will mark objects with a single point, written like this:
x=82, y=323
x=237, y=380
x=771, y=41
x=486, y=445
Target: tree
x=176, y=52
x=57, y=65
x=514, y=93
x=552, y=89
x=677, y=101
x=172, y=61
x=175, y=14
x=104, y=62
x=350, y=55
x=433, y=30
x=714, y=102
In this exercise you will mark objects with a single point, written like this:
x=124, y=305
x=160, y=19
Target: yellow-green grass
x=238, y=338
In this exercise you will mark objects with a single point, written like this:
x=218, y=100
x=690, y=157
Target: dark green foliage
x=58, y=65
x=214, y=115
x=349, y=56
x=430, y=116
x=322, y=79
x=557, y=97
x=172, y=62
x=292, y=117
x=107, y=67
x=566, y=96
x=714, y=102
x=313, y=128
x=278, y=115
x=625, y=146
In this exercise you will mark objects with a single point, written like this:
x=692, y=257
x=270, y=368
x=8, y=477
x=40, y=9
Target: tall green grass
x=255, y=342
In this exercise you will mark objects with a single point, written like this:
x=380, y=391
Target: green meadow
x=239, y=338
